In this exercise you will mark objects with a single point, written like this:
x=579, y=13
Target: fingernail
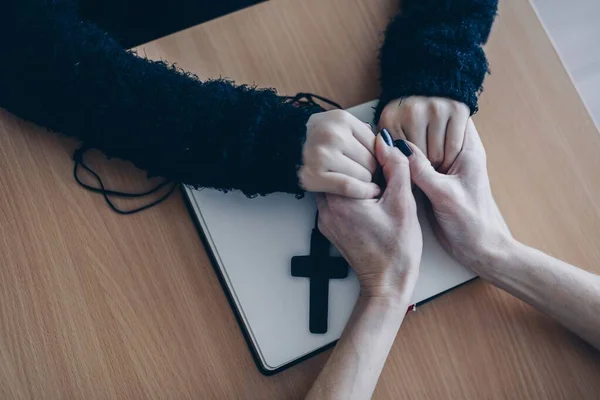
x=377, y=192
x=387, y=138
x=403, y=147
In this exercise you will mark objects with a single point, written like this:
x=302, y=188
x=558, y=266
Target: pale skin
x=338, y=156
x=467, y=222
x=385, y=254
x=339, y=152
x=434, y=124
x=469, y=225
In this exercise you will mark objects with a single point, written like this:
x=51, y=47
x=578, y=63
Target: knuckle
x=320, y=156
x=389, y=115
x=365, y=175
x=346, y=188
x=416, y=108
x=343, y=114
x=409, y=119
x=410, y=101
x=333, y=137
x=439, y=108
x=459, y=107
x=413, y=115
x=340, y=115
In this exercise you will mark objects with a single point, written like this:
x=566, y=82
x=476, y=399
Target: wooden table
x=95, y=306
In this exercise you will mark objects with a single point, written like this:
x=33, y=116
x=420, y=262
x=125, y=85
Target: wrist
x=392, y=302
x=389, y=285
x=495, y=256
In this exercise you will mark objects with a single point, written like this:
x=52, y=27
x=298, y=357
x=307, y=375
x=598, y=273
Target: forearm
x=69, y=76
x=354, y=366
x=564, y=292
x=433, y=48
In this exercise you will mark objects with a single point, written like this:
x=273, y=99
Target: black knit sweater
x=63, y=72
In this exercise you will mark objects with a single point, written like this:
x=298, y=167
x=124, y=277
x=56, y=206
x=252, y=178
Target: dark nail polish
x=387, y=138
x=403, y=147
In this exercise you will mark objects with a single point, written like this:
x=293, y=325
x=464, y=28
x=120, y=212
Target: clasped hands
x=377, y=230
x=378, y=233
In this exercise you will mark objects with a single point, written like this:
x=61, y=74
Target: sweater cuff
x=459, y=79
x=288, y=127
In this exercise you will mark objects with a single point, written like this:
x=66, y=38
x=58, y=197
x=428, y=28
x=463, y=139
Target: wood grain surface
x=94, y=305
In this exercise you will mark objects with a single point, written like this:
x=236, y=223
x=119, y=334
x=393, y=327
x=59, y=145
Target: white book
x=252, y=242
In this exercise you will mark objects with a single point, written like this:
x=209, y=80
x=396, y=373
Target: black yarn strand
x=306, y=99
x=106, y=193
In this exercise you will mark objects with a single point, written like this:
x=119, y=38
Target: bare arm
x=564, y=292
x=472, y=229
x=354, y=367
x=381, y=239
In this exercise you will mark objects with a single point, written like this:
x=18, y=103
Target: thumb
x=423, y=174
x=395, y=168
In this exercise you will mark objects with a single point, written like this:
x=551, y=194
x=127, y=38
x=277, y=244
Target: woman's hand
x=380, y=238
x=466, y=218
x=470, y=226
x=338, y=156
x=435, y=124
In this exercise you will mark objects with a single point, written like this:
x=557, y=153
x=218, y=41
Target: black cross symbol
x=319, y=267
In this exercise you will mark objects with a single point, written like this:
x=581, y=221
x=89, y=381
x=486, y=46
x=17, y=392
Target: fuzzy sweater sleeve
x=433, y=48
x=69, y=76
